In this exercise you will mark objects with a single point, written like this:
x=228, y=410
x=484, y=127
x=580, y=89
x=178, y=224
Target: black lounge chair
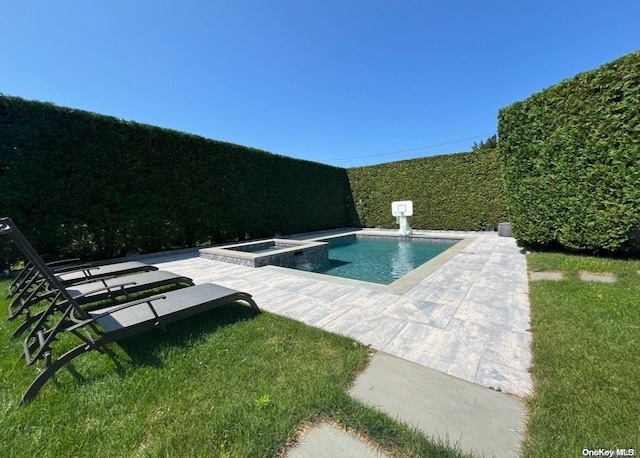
x=70, y=273
x=101, y=327
x=98, y=328
x=97, y=272
x=88, y=294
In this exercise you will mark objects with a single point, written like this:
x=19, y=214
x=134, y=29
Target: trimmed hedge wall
x=82, y=184
x=571, y=157
x=450, y=192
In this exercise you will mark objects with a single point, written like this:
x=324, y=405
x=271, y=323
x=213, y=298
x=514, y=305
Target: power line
x=410, y=150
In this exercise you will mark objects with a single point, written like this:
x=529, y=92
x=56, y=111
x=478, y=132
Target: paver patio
x=469, y=318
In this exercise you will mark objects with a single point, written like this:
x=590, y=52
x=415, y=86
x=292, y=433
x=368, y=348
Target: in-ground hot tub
x=272, y=252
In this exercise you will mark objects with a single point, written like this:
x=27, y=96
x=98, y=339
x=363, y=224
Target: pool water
x=380, y=259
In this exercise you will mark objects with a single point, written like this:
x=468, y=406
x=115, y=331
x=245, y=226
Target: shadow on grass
x=146, y=349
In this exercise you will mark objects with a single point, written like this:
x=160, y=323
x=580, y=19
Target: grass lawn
x=223, y=384
x=586, y=357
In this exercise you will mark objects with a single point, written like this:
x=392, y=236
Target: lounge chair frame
x=93, y=290
x=99, y=328
x=91, y=293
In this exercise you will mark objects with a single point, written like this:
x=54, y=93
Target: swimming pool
x=377, y=259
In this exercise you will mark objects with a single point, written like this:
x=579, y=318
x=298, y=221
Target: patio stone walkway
x=469, y=318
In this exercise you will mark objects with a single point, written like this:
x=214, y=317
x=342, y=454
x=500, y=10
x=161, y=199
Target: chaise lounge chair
x=70, y=274
x=87, y=293
x=97, y=328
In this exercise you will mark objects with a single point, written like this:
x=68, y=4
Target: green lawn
x=223, y=384
x=586, y=357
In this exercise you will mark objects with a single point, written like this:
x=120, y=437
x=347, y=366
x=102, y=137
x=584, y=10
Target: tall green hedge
x=94, y=186
x=571, y=157
x=456, y=192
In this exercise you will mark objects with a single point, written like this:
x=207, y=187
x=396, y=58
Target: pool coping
x=398, y=287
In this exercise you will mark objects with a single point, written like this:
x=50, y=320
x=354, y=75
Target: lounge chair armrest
x=62, y=262
x=82, y=267
x=94, y=318
x=120, y=286
x=146, y=300
x=95, y=280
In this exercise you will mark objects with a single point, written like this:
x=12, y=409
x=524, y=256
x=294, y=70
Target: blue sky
x=343, y=82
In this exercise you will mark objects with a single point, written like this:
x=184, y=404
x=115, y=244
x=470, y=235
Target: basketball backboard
x=402, y=208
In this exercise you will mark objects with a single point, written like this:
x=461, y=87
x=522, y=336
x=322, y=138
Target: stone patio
x=468, y=318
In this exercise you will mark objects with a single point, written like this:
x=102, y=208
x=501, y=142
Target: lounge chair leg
x=253, y=304
x=49, y=371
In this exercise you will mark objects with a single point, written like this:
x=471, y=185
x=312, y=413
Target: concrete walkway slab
x=475, y=418
x=546, y=276
x=597, y=278
x=328, y=442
